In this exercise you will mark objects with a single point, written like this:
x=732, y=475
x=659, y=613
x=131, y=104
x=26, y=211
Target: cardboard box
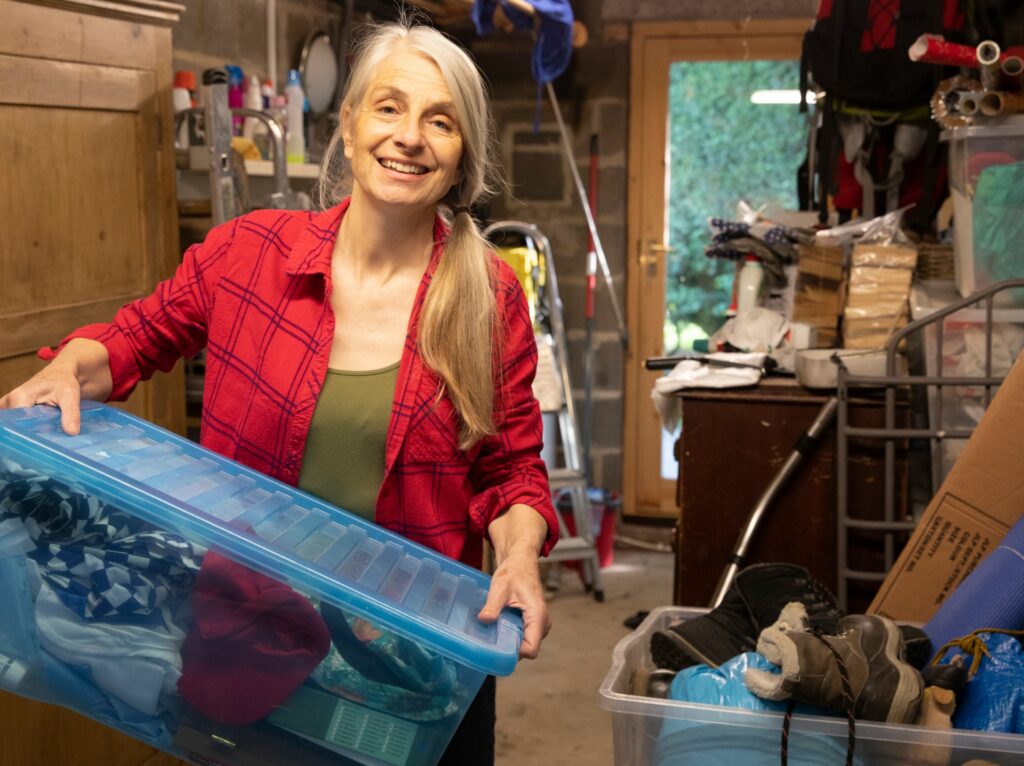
x=981, y=498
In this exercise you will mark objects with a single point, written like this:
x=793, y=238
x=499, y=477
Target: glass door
x=706, y=130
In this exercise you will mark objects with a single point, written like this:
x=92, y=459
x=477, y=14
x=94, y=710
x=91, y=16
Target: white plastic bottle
x=253, y=100
x=751, y=278
x=295, y=141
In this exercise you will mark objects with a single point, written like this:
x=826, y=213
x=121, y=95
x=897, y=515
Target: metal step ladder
x=570, y=476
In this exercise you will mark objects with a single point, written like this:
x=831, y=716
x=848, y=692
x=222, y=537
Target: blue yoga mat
x=992, y=596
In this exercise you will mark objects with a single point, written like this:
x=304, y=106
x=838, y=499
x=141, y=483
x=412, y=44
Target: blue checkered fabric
x=100, y=560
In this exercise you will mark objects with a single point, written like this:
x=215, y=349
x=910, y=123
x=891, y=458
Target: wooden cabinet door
x=88, y=221
x=87, y=198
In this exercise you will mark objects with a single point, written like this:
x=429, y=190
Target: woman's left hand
x=517, y=536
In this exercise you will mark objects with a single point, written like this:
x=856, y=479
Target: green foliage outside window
x=723, y=148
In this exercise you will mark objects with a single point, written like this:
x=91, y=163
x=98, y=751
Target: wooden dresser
x=87, y=207
x=733, y=443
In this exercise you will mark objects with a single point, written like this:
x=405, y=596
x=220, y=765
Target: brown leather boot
x=883, y=687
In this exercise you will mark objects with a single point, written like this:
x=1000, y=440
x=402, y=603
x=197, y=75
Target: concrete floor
x=548, y=709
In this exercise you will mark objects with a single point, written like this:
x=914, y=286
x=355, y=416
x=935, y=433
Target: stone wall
x=593, y=97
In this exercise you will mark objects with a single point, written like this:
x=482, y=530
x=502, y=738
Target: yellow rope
x=974, y=646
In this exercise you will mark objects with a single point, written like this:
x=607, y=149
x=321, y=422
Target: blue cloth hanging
x=552, y=47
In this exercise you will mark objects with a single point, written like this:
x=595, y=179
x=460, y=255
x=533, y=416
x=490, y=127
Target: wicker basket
x=935, y=262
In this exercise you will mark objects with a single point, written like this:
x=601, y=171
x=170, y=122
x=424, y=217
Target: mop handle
x=805, y=446
x=623, y=332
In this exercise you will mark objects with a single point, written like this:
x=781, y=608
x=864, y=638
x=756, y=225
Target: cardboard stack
x=818, y=296
x=981, y=498
x=876, y=301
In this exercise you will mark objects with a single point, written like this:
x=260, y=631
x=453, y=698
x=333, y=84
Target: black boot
x=767, y=588
x=711, y=639
x=751, y=604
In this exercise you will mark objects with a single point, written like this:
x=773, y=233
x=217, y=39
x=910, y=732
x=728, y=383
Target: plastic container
x=986, y=179
x=816, y=367
x=183, y=97
x=295, y=141
x=254, y=100
x=104, y=611
x=719, y=735
x=750, y=279
x=959, y=408
x=605, y=506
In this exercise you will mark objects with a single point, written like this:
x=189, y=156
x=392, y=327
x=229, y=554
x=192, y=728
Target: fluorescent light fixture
x=779, y=97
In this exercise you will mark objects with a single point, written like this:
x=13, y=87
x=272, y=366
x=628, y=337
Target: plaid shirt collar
x=312, y=251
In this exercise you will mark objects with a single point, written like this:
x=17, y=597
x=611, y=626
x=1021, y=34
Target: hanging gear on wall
x=875, y=132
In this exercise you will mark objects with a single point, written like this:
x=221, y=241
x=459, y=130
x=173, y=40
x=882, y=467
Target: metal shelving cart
x=989, y=307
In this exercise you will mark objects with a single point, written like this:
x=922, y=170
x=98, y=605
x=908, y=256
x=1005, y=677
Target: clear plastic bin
x=221, y=615
x=986, y=179
x=963, y=355
x=731, y=737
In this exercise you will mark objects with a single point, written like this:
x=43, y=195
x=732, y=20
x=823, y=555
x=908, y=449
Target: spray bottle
x=296, y=140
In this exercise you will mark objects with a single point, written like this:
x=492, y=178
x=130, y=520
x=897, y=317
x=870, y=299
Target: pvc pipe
x=970, y=103
x=1012, y=73
x=999, y=102
x=934, y=49
x=988, y=53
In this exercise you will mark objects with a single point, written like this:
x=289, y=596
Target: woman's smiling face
x=403, y=138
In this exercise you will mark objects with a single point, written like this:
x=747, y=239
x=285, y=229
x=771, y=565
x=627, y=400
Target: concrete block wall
x=593, y=98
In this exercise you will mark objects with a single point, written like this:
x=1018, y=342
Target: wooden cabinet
x=87, y=208
x=733, y=444
x=87, y=202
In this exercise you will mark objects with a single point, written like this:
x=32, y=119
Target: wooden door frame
x=654, y=45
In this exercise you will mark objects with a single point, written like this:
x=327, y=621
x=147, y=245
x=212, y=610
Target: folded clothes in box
x=216, y=613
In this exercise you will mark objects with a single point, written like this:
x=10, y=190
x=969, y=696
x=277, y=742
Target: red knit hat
x=253, y=641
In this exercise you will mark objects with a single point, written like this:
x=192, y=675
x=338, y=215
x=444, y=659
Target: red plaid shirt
x=255, y=294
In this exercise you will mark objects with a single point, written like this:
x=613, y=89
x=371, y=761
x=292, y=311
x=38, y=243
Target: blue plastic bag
x=994, y=697
x=684, y=742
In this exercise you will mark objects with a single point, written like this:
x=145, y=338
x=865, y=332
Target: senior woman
x=370, y=353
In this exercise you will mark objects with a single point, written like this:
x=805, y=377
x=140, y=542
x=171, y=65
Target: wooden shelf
x=265, y=168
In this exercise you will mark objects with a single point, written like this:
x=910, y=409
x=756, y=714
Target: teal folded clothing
x=998, y=226
x=373, y=666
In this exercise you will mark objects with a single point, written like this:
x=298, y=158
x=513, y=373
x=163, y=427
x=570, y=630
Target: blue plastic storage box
x=221, y=615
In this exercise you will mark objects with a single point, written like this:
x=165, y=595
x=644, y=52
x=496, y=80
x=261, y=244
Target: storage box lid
x=995, y=127
x=269, y=526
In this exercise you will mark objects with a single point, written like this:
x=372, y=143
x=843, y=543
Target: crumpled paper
x=691, y=373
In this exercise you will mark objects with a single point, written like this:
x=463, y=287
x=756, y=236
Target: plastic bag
x=683, y=742
x=994, y=697
x=884, y=230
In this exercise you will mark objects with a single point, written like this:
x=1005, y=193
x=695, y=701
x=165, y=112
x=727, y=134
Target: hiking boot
x=753, y=602
x=883, y=686
x=767, y=588
x=711, y=639
x=918, y=646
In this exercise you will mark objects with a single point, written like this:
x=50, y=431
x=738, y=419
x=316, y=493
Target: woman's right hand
x=81, y=369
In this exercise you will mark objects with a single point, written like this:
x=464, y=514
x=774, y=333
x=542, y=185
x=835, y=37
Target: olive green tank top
x=344, y=458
